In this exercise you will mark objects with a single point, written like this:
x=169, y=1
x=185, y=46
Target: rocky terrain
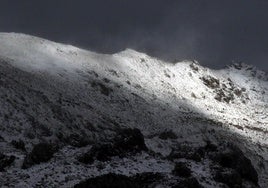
x=74, y=118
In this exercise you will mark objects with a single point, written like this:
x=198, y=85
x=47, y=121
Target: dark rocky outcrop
x=108, y=181
x=181, y=170
x=111, y=180
x=186, y=152
x=127, y=141
x=229, y=164
x=211, y=82
x=102, y=152
x=229, y=177
x=188, y=183
x=18, y=144
x=130, y=140
x=148, y=178
x=42, y=152
x=168, y=135
x=5, y=161
x=105, y=90
x=232, y=157
x=77, y=140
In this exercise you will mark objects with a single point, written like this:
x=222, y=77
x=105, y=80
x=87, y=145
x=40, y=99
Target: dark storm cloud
x=211, y=31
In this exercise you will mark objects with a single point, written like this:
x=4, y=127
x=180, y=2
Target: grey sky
x=214, y=32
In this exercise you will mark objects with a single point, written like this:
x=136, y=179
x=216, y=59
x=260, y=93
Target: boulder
x=42, y=152
x=232, y=157
x=127, y=141
x=181, y=170
x=5, y=161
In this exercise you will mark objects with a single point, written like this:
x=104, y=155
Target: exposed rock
x=210, y=147
x=211, y=82
x=187, y=152
x=148, y=178
x=143, y=180
x=42, y=152
x=102, y=152
x=168, y=135
x=77, y=140
x=229, y=177
x=1, y=139
x=188, y=183
x=194, y=67
x=128, y=141
x=232, y=157
x=222, y=96
x=5, y=161
x=18, y=144
x=181, y=170
x=109, y=181
x=105, y=90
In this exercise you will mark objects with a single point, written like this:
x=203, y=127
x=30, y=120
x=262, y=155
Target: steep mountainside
x=66, y=114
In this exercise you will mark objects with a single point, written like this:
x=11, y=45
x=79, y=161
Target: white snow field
x=51, y=92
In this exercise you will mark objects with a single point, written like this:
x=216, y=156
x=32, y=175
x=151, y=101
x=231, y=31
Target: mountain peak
x=128, y=52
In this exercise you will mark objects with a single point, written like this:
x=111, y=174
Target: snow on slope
x=50, y=89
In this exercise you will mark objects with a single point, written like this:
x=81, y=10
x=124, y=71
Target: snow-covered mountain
x=72, y=100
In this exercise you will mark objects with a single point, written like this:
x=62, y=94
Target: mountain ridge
x=53, y=91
